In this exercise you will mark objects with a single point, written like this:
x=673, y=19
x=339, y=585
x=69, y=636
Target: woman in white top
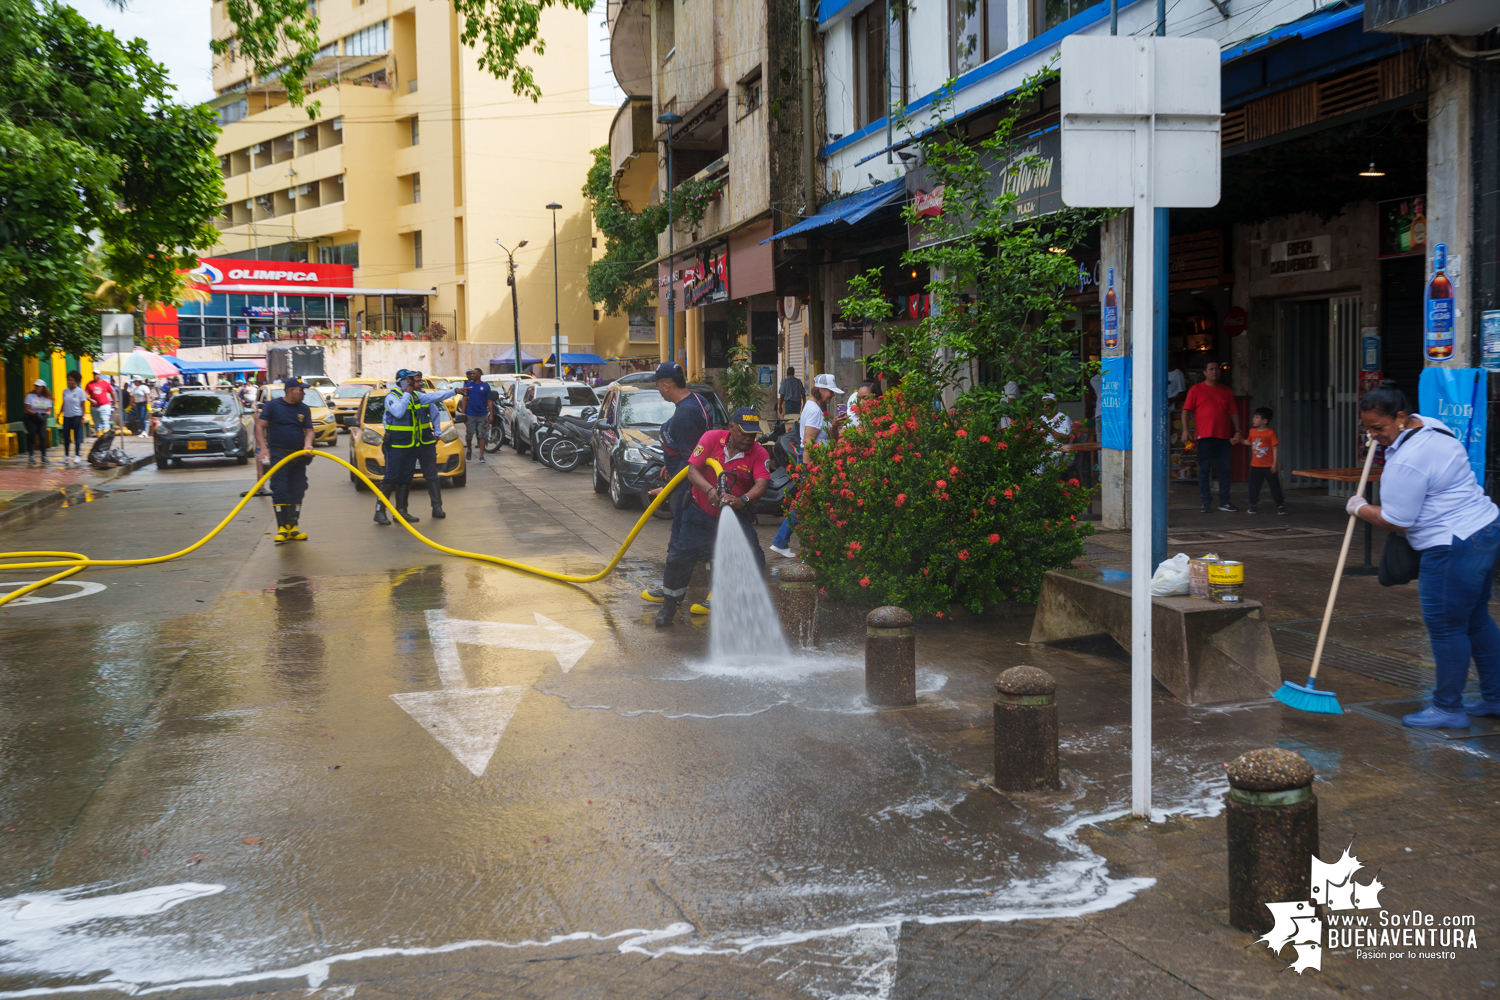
x=73, y=398
x=38, y=407
x=1429, y=493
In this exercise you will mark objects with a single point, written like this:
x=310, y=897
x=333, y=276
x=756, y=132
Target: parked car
x=204, y=424
x=627, y=441
x=576, y=398
x=366, y=455
x=346, y=399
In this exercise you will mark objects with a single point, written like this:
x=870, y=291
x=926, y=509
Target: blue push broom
x=1307, y=697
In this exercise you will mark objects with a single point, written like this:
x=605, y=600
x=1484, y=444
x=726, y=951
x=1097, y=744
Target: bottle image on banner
x=1111, y=316
x=1440, y=307
x=1418, y=227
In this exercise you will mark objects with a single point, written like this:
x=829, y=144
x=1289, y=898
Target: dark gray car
x=204, y=425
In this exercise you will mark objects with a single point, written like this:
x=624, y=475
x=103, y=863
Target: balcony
x=632, y=153
x=630, y=46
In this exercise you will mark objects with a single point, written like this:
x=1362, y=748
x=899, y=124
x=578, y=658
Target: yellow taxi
x=366, y=455
x=347, y=397
x=325, y=430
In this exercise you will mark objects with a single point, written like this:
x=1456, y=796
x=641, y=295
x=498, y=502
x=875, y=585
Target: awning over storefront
x=253, y=289
x=205, y=367
x=847, y=210
x=578, y=359
x=508, y=357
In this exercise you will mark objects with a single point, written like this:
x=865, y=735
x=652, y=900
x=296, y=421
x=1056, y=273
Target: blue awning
x=508, y=357
x=848, y=210
x=578, y=359
x=206, y=367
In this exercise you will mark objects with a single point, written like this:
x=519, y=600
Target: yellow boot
x=283, y=527
x=706, y=607
x=293, y=532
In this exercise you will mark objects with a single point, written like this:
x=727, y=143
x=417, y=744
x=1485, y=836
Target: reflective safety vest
x=412, y=430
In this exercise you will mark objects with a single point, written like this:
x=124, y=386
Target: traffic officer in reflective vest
x=728, y=469
x=411, y=422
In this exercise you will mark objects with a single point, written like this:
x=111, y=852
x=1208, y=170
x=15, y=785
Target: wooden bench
x=1201, y=651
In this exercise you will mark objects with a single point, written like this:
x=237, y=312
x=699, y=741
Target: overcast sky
x=176, y=33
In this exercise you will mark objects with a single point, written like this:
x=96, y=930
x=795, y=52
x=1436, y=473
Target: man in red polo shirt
x=734, y=453
x=1216, y=423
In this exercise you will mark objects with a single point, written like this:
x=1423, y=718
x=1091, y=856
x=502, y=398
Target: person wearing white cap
x=815, y=429
x=38, y=407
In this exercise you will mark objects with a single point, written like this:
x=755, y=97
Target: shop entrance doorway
x=1302, y=418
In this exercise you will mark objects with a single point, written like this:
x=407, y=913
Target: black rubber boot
x=402, y=492
x=283, y=513
x=435, y=494
x=381, y=517
x=668, y=610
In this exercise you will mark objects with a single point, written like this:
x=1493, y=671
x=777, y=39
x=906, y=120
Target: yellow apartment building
x=414, y=164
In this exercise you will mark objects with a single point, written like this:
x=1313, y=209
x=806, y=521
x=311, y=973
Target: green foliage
x=94, y=157
x=742, y=379
x=505, y=28
x=616, y=280
x=279, y=38
x=997, y=294
x=924, y=508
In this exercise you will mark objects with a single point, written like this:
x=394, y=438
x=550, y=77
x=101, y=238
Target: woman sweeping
x=1430, y=494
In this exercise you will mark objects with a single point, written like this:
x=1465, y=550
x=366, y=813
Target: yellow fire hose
x=77, y=562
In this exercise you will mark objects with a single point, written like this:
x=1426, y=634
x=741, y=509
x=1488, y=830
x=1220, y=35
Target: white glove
x=1354, y=504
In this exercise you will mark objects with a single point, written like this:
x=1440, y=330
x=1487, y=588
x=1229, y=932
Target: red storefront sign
x=285, y=275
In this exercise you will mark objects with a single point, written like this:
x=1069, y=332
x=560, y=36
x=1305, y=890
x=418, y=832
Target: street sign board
x=118, y=331
x=1129, y=100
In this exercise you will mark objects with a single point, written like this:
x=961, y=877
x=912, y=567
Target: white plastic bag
x=1171, y=577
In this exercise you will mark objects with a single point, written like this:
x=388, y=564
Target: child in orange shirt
x=1264, y=453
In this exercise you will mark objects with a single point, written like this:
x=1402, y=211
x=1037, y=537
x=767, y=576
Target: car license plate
x=197, y=446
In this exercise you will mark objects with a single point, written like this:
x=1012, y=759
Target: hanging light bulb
x=1372, y=172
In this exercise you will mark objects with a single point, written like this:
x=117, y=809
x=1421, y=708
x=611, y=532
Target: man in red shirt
x=736, y=457
x=1216, y=422
x=102, y=395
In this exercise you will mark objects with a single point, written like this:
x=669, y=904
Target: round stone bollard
x=1025, y=730
x=890, y=657
x=1273, y=835
x=797, y=604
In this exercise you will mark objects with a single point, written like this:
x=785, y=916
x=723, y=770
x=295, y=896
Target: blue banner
x=1456, y=396
x=1114, y=404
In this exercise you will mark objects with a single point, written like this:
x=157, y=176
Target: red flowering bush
x=920, y=508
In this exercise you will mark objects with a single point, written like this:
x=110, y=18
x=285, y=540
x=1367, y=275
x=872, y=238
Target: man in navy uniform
x=283, y=428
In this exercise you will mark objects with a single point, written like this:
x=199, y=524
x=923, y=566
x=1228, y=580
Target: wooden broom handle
x=1338, y=573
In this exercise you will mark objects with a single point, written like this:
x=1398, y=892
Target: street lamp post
x=515, y=303
x=556, y=308
x=671, y=120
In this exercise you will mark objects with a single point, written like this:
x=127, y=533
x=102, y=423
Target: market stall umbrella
x=508, y=357
x=137, y=362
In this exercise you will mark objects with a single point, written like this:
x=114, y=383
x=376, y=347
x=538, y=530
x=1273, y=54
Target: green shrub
x=925, y=508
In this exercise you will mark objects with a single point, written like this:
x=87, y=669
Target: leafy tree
x=280, y=38
x=617, y=280
x=999, y=277
x=95, y=158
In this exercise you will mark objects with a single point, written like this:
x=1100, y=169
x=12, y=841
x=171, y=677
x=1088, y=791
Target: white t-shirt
x=1429, y=489
x=72, y=402
x=38, y=404
x=812, y=416
x=139, y=393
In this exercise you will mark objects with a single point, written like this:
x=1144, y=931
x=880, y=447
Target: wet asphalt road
x=230, y=766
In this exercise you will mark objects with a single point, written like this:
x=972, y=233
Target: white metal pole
x=1141, y=485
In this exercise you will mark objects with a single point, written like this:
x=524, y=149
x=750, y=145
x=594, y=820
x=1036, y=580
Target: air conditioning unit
x=255, y=149
x=301, y=134
x=341, y=178
x=291, y=192
x=338, y=124
x=250, y=203
x=305, y=189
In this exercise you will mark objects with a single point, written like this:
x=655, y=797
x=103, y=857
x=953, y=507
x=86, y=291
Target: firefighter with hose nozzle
x=728, y=469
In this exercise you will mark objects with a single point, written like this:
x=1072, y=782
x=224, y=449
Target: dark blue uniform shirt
x=680, y=434
x=285, y=424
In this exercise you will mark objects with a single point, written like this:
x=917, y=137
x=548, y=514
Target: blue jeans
x=785, y=534
x=1217, y=451
x=1455, y=591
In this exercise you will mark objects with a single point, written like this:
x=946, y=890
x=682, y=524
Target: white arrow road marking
x=469, y=721
x=84, y=589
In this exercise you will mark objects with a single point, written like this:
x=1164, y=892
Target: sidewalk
x=28, y=491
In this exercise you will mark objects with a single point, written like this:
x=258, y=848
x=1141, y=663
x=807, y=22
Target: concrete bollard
x=1273, y=835
x=797, y=604
x=1026, y=730
x=890, y=657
